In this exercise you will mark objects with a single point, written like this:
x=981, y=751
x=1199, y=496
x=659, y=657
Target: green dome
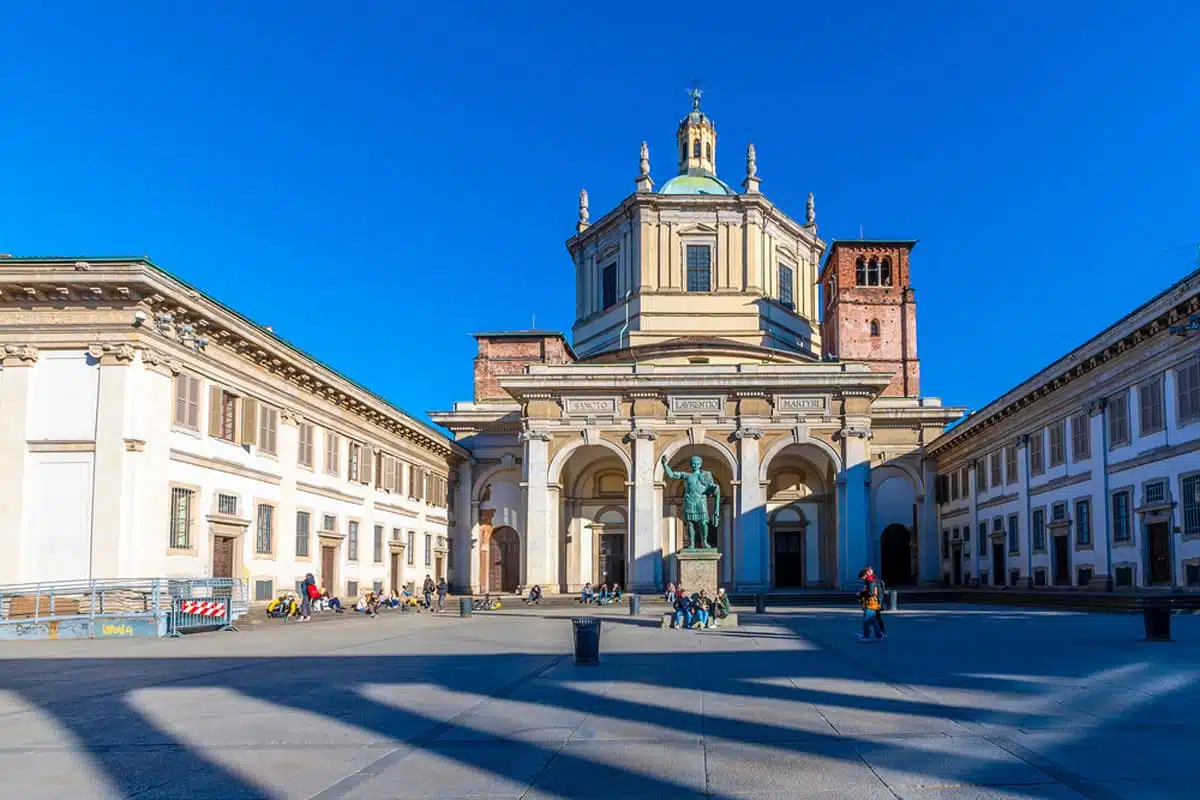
x=696, y=184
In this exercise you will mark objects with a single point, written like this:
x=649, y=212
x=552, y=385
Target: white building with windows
x=1087, y=474
x=146, y=430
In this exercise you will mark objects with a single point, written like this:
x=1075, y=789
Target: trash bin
x=464, y=606
x=891, y=600
x=760, y=604
x=635, y=605
x=1156, y=618
x=587, y=640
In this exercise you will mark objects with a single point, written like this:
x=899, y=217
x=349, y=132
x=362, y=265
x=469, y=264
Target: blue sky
x=376, y=180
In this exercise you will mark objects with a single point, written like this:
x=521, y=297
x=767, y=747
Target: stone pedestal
x=698, y=570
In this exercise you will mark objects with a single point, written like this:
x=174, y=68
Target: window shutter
x=249, y=421
x=193, y=401
x=214, y=411
x=380, y=470
x=181, y=399
x=366, y=462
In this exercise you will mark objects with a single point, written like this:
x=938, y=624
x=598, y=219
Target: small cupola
x=697, y=139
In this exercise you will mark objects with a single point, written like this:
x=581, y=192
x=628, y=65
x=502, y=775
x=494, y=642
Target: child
x=868, y=596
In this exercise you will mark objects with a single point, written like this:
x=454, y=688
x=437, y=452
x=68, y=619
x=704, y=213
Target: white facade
x=1087, y=474
x=128, y=452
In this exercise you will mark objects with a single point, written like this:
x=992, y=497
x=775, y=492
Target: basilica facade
x=708, y=323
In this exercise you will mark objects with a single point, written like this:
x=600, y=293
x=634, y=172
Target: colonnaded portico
x=706, y=325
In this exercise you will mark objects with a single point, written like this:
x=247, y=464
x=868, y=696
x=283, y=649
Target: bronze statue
x=698, y=485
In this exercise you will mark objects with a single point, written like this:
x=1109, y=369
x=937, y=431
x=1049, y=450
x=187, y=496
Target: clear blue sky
x=376, y=180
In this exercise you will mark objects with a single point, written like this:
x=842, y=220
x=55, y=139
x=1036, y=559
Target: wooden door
x=957, y=563
x=789, y=558
x=1160, y=553
x=439, y=567
x=998, y=574
x=222, y=566
x=395, y=572
x=328, y=565
x=1062, y=562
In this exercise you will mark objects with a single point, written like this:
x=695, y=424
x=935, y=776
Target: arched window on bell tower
x=885, y=272
x=873, y=272
x=860, y=272
x=696, y=148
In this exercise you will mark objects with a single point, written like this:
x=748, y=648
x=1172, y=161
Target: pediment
x=698, y=227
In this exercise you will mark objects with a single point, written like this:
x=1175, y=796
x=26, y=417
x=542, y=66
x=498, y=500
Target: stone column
x=555, y=567
x=537, y=565
x=466, y=538
x=111, y=529
x=148, y=459
x=857, y=498
x=750, y=528
x=928, y=548
x=14, y=426
x=646, y=575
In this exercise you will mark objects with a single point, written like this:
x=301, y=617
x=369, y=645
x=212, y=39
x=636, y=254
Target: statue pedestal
x=698, y=570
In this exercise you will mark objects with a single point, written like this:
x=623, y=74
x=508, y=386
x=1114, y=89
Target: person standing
x=427, y=589
x=442, y=589
x=881, y=588
x=308, y=593
x=868, y=596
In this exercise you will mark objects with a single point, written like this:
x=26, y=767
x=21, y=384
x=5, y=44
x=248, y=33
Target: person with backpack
x=868, y=596
x=308, y=593
x=882, y=587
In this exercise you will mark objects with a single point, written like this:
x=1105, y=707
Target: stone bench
x=729, y=622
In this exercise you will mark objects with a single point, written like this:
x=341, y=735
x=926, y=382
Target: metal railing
x=41, y=602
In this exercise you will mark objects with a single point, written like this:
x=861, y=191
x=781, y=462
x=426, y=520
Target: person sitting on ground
x=868, y=596
x=683, y=612
x=701, y=604
x=282, y=607
x=331, y=602
x=535, y=595
x=669, y=595
x=616, y=593
x=603, y=596
x=587, y=594
x=360, y=605
x=427, y=589
x=720, y=607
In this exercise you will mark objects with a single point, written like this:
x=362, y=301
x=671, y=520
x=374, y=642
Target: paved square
x=958, y=703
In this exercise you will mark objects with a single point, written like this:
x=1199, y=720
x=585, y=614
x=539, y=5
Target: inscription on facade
x=801, y=404
x=698, y=405
x=591, y=405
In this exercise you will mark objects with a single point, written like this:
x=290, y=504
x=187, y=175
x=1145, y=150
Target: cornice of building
x=1135, y=330
x=139, y=284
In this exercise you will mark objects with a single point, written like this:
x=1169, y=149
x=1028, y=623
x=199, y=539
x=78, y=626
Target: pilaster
x=857, y=491
x=466, y=536
x=647, y=550
x=111, y=529
x=537, y=567
x=14, y=422
x=750, y=529
x=928, y=552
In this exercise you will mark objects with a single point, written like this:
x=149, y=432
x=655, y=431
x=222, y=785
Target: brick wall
x=510, y=354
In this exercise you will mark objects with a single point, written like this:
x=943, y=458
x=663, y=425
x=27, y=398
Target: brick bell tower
x=870, y=314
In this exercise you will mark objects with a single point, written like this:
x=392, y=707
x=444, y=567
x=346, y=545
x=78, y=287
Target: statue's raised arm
x=670, y=473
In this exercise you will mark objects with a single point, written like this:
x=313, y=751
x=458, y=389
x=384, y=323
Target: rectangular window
x=1083, y=522
x=187, y=401
x=1037, y=464
x=1150, y=407
x=1120, y=516
x=1010, y=464
x=1058, y=512
x=396, y=535
x=329, y=523
x=787, y=294
x=998, y=525
x=1014, y=534
x=227, y=422
x=377, y=587
x=352, y=541
x=995, y=469
x=945, y=544
x=1039, y=529
x=1014, y=577
x=332, y=450
x=608, y=285
x=302, y=533
x=1081, y=437
x=428, y=549
x=1192, y=574
x=304, y=456
x=354, y=461
x=1084, y=576
x=982, y=533
x=1118, y=419
x=410, y=548
x=1189, y=488
x=699, y=268
x=352, y=588
x=1058, y=453
x=1156, y=492
x=1123, y=576
x=1039, y=577
x=1187, y=392
x=264, y=529
x=181, y=517
x=268, y=428
x=227, y=504
x=378, y=550
x=264, y=590
x=954, y=485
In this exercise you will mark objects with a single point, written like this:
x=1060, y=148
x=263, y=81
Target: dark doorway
x=896, y=555
x=997, y=563
x=789, y=558
x=1160, y=553
x=957, y=564
x=611, y=564
x=1062, y=562
x=395, y=573
x=328, y=569
x=503, y=573
x=222, y=566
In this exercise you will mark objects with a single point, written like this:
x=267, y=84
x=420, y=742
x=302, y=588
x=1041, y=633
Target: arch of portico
x=799, y=485
x=496, y=503
x=893, y=507
x=592, y=541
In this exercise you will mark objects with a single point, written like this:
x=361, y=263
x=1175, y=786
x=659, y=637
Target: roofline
x=146, y=261
x=1037, y=381
x=518, y=334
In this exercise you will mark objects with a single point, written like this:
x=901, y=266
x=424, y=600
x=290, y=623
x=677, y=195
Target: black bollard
x=1156, y=619
x=587, y=640
x=760, y=604
x=635, y=605
x=464, y=606
x=891, y=598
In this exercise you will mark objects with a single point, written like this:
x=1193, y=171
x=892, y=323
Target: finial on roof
x=583, y=212
x=695, y=92
x=752, y=180
x=643, y=181
x=810, y=211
